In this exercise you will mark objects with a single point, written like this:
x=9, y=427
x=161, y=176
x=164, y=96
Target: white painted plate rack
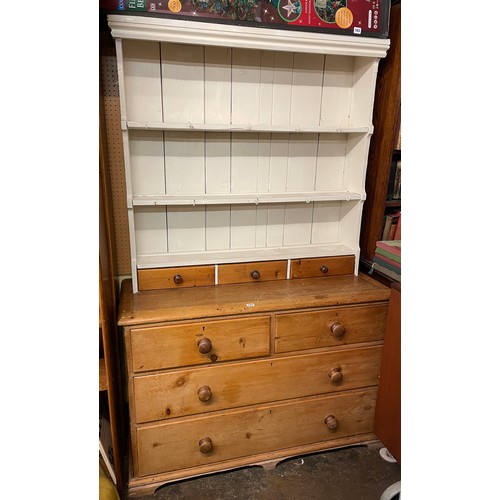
x=242, y=144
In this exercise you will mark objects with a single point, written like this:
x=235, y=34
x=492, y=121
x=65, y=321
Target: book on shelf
x=397, y=232
x=394, y=225
x=393, y=257
x=396, y=189
x=393, y=246
x=381, y=259
x=392, y=178
x=392, y=266
x=386, y=226
x=384, y=270
x=387, y=259
x=390, y=226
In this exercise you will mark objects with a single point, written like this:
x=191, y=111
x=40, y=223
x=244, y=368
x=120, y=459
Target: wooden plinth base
x=139, y=487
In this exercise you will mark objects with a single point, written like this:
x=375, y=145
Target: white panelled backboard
x=243, y=144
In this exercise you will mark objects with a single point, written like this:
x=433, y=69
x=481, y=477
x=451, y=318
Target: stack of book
x=387, y=259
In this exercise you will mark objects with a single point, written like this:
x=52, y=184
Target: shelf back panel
x=189, y=163
x=198, y=229
x=180, y=83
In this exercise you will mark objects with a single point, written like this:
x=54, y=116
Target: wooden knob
x=337, y=329
x=178, y=279
x=323, y=269
x=204, y=393
x=336, y=375
x=205, y=445
x=204, y=345
x=331, y=422
x=255, y=275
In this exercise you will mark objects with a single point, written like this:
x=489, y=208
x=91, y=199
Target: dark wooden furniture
x=388, y=412
x=386, y=120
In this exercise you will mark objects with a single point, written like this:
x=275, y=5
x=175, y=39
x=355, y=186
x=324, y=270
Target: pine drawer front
x=187, y=392
x=224, y=436
x=204, y=342
x=323, y=266
x=333, y=327
x=175, y=277
x=248, y=272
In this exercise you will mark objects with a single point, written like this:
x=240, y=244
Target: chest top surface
x=157, y=306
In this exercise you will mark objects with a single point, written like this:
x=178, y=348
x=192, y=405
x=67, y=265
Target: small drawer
x=179, y=393
x=323, y=266
x=248, y=272
x=329, y=328
x=203, y=342
x=175, y=277
x=239, y=433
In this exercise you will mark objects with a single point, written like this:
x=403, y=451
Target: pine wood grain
x=140, y=486
x=311, y=268
x=309, y=330
x=190, y=303
x=242, y=273
x=154, y=279
x=174, y=394
x=176, y=345
x=175, y=445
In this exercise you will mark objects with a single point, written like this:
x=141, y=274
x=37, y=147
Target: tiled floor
x=355, y=473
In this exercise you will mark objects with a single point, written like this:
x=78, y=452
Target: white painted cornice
x=205, y=33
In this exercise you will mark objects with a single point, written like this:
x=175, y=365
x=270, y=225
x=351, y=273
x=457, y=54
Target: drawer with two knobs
x=223, y=436
x=188, y=391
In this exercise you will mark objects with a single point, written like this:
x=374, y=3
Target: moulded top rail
x=206, y=33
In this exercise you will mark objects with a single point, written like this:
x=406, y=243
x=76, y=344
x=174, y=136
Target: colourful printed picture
x=326, y=9
x=346, y=17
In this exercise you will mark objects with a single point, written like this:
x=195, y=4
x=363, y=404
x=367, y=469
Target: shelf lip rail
x=243, y=198
x=262, y=38
x=223, y=127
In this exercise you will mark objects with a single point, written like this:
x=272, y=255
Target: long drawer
x=330, y=328
x=196, y=390
x=214, y=438
x=203, y=342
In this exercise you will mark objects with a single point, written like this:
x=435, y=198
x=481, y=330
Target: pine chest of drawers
x=252, y=373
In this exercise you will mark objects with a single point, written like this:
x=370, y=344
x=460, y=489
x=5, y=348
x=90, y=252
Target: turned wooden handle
x=178, y=279
x=337, y=329
x=324, y=269
x=204, y=393
x=336, y=375
x=206, y=445
x=204, y=345
x=331, y=422
x=255, y=275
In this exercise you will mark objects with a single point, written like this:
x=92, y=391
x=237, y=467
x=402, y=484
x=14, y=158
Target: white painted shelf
x=145, y=261
x=247, y=198
x=216, y=127
x=242, y=143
